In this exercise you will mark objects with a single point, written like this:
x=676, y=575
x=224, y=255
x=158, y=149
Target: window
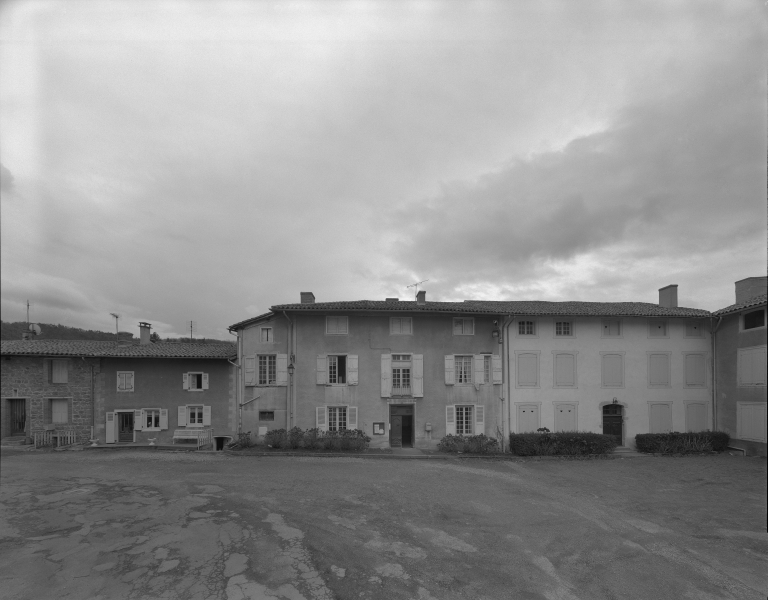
x=401, y=374
x=487, y=369
x=58, y=372
x=151, y=418
x=750, y=421
x=337, y=369
x=337, y=418
x=751, y=366
x=464, y=420
x=195, y=415
x=658, y=369
x=754, y=319
x=336, y=326
x=267, y=369
x=563, y=328
x=527, y=369
x=400, y=326
x=612, y=364
x=125, y=381
x=526, y=328
x=695, y=370
x=660, y=415
x=611, y=328
x=694, y=328
x=266, y=335
x=463, y=326
x=657, y=328
x=196, y=382
x=59, y=410
x=266, y=415
x=463, y=369
x=565, y=370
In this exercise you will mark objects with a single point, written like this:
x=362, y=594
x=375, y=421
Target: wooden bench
x=201, y=436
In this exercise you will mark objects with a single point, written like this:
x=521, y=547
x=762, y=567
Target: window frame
x=268, y=383
x=518, y=385
x=393, y=366
x=612, y=337
x=739, y=353
x=328, y=369
x=270, y=331
x=465, y=408
x=671, y=406
x=52, y=372
x=570, y=322
x=263, y=413
x=190, y=407
x=189, y=381
x=621, y=353
x=145, y=413
x=487, y=368
x=463, y=357
x=328, y=319
x=463, y=321
x=337, y=409
x=690, y=322
x=400, y=319
x=652, y=322
x=740, y=406
x=557, y=386
x=668, y=354
x=750, y=311
x=133, y=382
x=535, y=324
x=59, y=402
x=704, y=356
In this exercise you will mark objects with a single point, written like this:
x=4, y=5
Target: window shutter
x=498, y=373
x=163, y=418
x=138, y=420
x=661, y=418
x=281, y=363
x=60, y=371
x=129, y=382
x=46, y=371
x=182, y=416
x=479, y=419
x=120, y=382
x=207, y=415
x=205, y=381
x=613, y=370
x=322, y=375
x=250, y=370
x=321, y=418
x=386, y=375
x=418, y=375
x=450, y=420
x=110, y=428
x=694, y=370
x=527, y=370
x=564, y=370
x=479, y=365
x=185, y=380
x=759, y=366
x=70, y=410
x=659, y=369
x=352, y=375
x=450, y=365
x=352, y=417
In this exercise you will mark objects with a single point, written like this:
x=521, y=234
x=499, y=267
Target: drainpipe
x=714, y=371
x=237, y=381
x=93, y=402
x=506, y=388
x=289, y=418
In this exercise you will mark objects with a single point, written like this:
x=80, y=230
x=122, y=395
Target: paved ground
x=143, y=525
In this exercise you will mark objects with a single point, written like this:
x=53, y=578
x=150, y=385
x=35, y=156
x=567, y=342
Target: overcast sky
x=176, y=161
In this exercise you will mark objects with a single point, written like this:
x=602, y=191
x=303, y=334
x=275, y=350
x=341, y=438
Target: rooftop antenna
x=27, y=312
x=33, y=328
x=192, y=325
x=117, y=330
x=416, y=285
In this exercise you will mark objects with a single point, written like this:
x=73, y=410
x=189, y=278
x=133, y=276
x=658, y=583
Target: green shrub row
x=352, y=440
x=569, y=443
x=682, y=443
x=471, y=444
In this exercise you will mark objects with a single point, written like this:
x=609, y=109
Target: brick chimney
x=144, y=329
x=748, y=288
x=668, y=296
x=421, y=297
x=307, y=298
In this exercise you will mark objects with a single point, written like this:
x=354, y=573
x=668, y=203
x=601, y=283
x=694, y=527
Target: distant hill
x=13, y=331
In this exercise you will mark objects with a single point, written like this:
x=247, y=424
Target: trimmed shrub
x=348, y=440
x=313, y=439
x=682, y=443
x=566, y=443
x=469, y=444
x=276, y=438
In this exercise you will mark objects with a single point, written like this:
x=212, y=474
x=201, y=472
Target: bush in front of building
x=682, y=443
x=346, y=440
x=562, y=443
x=468, y=444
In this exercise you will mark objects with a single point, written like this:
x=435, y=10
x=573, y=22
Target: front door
x=613, y=422
x=396, y=431
x=401, y=426
x=125, y=426
x=18, y=410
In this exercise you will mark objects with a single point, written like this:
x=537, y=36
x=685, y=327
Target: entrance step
x=620, y=449
x=411, y=451
x=16, y=440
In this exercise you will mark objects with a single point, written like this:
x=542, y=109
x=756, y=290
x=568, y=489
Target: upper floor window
x=195, y=382
x=487, y=369
x=611, y=328
x=563, y=328
x=337, y=368
x=464, y=420
x=463, y=369
x=657, y=328
x=754, y=319
x=336, y=326
x=694, y=328
x=266, y=335
x=57, y=371
x=463, y=326
x=401, y=374
x=400, y=325
x=337, y=418
x=195, y=415
x=267, y=369
x=125, y=381
x=526, y=328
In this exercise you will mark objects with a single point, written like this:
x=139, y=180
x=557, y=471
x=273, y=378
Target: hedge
x=470, y=444
x=682, y=443
x=353, y=440
x=568, y=443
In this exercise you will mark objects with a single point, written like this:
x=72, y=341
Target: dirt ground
x=145, y=525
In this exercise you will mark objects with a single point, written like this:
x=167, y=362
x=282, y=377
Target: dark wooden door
x=613, y=422
x=125, y=426
x=396, y=431
x=408, y=431
x=18, y=415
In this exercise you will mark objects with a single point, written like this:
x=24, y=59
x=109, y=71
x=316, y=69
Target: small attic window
x=754, y=319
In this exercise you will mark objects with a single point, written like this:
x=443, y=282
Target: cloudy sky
x=175, y=161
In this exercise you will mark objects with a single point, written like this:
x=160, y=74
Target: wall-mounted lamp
x=291, y=369
x=495, y=333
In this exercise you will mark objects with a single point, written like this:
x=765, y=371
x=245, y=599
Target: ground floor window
x=151, y=418
x=337, y=418
x=464, y=420
x=266, y=415
x=195, y=415
x=59, y=410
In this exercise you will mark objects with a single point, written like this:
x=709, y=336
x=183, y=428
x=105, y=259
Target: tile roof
x=110, y=349
x=262, y=317
x=498, y=307
x=756, y=301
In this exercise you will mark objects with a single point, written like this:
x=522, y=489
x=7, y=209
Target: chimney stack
x=144, y=329
x=668, y=296
x=748, y=288
x=421, y=297
x=307, y=298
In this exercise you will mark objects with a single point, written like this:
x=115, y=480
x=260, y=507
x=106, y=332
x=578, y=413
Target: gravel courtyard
x=110, y=525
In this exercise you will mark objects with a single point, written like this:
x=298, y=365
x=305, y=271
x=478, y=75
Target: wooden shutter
x=498, y=372
x=250, y=370
x=658, y=367
x=129, y=381
x=759, y=365
x=321, y=418
x=352, y=374
x=120, y=382
x=351, y=417
x=479, y=419
x=185, y=381
x=565, y=417
x=613, y=370
x=322, y=373
x=527, y=369
x=450, y=420
x=59, y=371
x=450, y=366
x=695, y=370
x=47, y=416
x=182, y=416
x=109, y=431
x=695, y=416
x=205, y=381
x=138, y=420
x=661, y=418
x=565, y=370
x=386, y=375
x=406, y=325
x=46, y=371
x=418, y=375
x=281, y=364
x=163, y=418
x=478, y=362
x=207, y=415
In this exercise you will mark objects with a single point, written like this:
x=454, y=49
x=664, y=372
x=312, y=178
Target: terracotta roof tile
x=110, y=349
x=756, y=301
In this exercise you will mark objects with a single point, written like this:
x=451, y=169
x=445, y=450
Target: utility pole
x=117, y=329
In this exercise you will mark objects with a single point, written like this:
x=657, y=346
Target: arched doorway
x=613, y=422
